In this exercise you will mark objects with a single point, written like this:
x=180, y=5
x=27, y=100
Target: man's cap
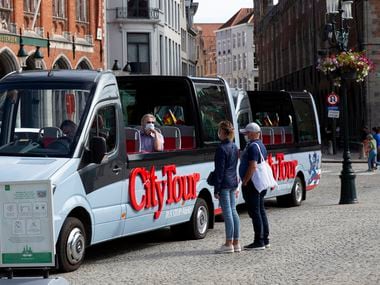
x=251, y=127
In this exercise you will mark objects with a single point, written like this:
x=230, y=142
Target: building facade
x=290, y=38
x=235, y=51
x=188, y=38
x=68, y=34
x=206, y=49
x=145, y=36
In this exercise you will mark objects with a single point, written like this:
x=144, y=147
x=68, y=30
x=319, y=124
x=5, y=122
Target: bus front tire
x=71, y=245
x=295, y=197
x=199, y=222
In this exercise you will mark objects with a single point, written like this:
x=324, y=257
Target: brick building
x=206, y=49
x=289, y=38
x=68, y=32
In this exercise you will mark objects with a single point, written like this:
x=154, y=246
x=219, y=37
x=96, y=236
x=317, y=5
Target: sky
x=219, y=11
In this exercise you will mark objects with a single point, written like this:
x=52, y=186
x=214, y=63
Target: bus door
x=104, y=182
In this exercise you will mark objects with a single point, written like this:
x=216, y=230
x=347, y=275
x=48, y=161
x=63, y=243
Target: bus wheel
x=199, y=222
x=295, y=197
x=71, y=245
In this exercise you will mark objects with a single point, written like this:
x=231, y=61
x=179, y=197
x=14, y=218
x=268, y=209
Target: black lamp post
x=337, y=35
x=38, y=57
x=22, y=54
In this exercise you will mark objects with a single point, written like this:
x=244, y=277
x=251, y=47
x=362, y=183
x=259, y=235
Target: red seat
x=187, y=137
x=267, y=135
x=49, y=134
x=132, y=140
x=279, y=135
x=172, y=137
x=289, y=138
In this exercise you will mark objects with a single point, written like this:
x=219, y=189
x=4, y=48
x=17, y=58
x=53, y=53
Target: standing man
x=252, y=155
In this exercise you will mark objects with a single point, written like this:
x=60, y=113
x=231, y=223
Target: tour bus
x=104, y=186
x=290, y=132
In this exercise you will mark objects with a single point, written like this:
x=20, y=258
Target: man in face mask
x=151, y=139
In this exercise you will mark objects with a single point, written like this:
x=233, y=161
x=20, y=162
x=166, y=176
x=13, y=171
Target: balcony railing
x=141, y=13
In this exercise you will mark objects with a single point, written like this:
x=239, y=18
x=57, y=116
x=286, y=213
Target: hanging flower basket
x=346, y=65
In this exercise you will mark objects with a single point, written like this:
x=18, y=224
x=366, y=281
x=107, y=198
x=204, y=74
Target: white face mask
x=149, y=126
x=246, y=138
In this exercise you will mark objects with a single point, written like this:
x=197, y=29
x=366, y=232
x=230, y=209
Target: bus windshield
x=39, y=121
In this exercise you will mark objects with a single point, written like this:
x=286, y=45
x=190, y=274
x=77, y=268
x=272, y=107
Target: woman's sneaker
x=267, y=245
x=225, y=249
x=254, y=246
x=237, y=247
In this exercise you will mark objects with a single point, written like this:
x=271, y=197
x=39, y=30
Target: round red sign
x=332, y=99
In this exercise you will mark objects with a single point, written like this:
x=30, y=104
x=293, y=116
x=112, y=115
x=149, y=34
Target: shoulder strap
x=261, y=154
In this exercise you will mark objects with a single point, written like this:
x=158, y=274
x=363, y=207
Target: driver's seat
x=49, y=134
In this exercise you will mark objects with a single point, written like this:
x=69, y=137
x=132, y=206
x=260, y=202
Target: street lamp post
x=338, y=38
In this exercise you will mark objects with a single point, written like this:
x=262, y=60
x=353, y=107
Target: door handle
x=116, y=169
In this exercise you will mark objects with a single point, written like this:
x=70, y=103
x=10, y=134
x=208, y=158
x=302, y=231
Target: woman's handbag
x=263, y=178
x=211, y=178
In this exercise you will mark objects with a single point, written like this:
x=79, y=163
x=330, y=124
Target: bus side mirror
x=98, y=148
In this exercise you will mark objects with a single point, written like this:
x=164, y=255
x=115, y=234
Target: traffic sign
x=332, y=99
x=333, y=114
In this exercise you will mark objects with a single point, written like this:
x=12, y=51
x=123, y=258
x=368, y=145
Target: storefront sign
x=6, y=38
x=26, y=225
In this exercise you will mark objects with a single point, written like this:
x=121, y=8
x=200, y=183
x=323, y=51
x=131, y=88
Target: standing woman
x=253, y=154
x=226, y=183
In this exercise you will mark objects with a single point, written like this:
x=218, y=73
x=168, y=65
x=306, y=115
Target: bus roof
x=48, y=76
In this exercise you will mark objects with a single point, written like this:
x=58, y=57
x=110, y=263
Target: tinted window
x=306, y=121
x=213, y=106
x=104, y=125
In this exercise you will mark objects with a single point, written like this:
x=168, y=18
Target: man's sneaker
x=225, y=249
x=254, y=246
x=237, y=247
x=267, y=245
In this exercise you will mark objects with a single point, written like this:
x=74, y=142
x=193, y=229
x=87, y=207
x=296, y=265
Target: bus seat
x=267, y=134
x=132, y=140
x=279, y=135
x=187, y=137
x=172, y=137
x=289, y=138
x=49, y=134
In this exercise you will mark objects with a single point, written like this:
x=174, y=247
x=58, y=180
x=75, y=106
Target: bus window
x=213, y=105
x=306, y=121
x=104, y=125
x=169, y=100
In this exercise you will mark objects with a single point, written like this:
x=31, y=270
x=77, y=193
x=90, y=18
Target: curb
x=341, y=161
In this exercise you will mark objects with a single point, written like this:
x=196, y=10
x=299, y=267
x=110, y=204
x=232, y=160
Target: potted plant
x=346, y=65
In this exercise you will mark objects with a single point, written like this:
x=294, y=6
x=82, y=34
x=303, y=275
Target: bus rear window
x=306, y=121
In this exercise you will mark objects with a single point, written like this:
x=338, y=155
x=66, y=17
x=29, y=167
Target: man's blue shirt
x=251, y=153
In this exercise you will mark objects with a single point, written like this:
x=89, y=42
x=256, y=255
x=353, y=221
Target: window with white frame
x=6, y=4
x=238, y=40
x=59, y=8
x=235, y=63
x=239, y=61
x=30, y=5
x=234, y=41
x=138, y=52
x=81, y=10
x=244, y=61
x=244, y=38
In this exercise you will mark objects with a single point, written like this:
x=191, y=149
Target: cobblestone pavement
x=319, y=242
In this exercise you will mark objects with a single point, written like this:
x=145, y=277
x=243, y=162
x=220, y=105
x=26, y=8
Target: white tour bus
x=290, y=132
x=104, y=186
